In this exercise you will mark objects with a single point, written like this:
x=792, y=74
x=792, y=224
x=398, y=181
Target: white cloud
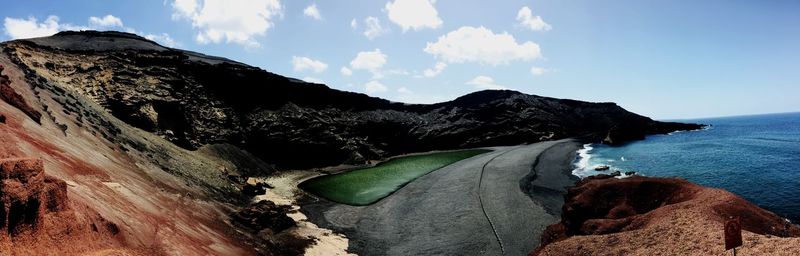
x=312, y=11
x=371, y=61
x=354, y=24
x=107, y=21
x=527, y=20
x=374, y=28
x=416, y=98
x=538, y=71
x=183, y=8
x=471, y=44
x=237, y=22
x=315, y=80
x=375, y=87
x=346, y=71
x=305, y=63
x=22, y=28
x=164, y=39
x=413, y=14
x=432, y=72
x=485, y=83
x=403, y=90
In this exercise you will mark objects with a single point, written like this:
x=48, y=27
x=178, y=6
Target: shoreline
x=555, y=165
x=540, y=187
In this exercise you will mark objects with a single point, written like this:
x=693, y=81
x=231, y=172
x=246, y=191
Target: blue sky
x=664, y=59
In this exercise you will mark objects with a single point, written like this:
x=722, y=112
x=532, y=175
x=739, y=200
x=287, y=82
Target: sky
x=672, y=59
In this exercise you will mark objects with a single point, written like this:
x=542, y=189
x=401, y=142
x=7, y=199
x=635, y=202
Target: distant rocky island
x=156, y=145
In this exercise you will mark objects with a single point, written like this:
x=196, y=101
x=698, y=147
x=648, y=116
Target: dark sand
x=492, y=204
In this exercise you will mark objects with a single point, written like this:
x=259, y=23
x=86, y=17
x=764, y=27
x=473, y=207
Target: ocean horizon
x=753, y=156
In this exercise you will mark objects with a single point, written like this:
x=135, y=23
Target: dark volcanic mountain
x=193, y=100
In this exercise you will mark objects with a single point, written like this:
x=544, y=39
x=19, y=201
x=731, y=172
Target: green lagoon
x=368, y=185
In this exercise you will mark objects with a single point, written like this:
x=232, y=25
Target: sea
x=756, y=157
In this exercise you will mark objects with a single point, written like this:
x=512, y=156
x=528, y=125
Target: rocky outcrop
x=193, y=100
x=8, y=94
x=636, y=130
x=21, y=185
x=36, y=216
x=640, y=215
x=25, y=195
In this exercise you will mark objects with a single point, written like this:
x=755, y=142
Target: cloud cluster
x=432, y=72
x=481, y=45
x=527, y=20
x=375, y=87
x=371, y=61
x=413, y=14
x=107, y=21
x=305, y=63
x=538, y=71
x=313, y=12
x=29, y=28
x=373, y=27
x=163, y=39
x=346, y=71
x=485, y=83
x=218, y=21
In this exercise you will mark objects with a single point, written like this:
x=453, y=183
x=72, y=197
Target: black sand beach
x=493, y=204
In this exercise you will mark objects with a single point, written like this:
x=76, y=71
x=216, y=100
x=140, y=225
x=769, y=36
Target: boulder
x=264, y=215
x=252, y=187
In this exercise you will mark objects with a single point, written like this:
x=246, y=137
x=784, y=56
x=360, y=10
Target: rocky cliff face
x=646, y=216
x=193, y=100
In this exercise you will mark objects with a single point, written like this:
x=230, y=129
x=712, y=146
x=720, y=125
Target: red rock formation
x=12, y=97
x=641, y=215
x=21, y=195
x=36, y=217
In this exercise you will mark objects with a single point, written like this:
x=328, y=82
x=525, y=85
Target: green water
x=368, y=185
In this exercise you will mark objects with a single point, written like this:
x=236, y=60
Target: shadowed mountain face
x=193, y=100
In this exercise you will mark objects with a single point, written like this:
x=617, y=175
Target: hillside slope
x=193, y=100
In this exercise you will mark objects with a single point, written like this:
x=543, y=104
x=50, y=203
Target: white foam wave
x=583, y=156
x=585, y=167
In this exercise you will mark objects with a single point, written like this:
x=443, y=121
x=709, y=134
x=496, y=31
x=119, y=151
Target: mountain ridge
x=194, y=100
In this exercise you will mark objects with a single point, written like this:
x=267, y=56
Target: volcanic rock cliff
x=193, y=100
x=661, y=216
